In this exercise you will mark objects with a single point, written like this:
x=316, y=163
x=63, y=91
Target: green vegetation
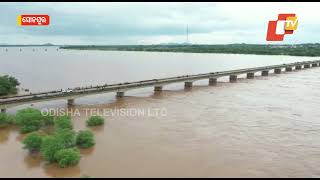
x=95, y=121
x=67, y=137
x=48, y=120
x=56, y=145
x=32, y=142
x=6, y=119
x=68, y=157
x=85, y=176
x=29, y=120
x=291, y=50
x=61, y=148
x=49, y=147
x=85, y=139
x=63, y=122
x=8, y=85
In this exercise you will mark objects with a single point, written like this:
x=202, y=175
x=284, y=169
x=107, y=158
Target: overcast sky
x=152, y=23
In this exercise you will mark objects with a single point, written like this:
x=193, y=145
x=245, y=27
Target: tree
x=32, y=142
x=68, y=157
x=14, y=82
x=63, y=122
x=5, y=86
x=95, y=121
x=85, y=139
x=49, y=147
x=29, y=120
x=8, y=85
x=67, y=137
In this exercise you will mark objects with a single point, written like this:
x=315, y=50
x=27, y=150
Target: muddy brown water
x=262, y=127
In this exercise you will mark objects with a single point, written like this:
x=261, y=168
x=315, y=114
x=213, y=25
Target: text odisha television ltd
x=33, y=20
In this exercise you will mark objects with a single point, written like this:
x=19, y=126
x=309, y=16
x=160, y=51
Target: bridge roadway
x=121, y=88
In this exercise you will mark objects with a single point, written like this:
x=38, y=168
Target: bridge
x=121, y=88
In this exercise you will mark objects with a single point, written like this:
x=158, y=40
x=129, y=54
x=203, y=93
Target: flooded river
x=262, y=127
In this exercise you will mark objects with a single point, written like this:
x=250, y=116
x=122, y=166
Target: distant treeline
x=28, y=45
x=291, y=50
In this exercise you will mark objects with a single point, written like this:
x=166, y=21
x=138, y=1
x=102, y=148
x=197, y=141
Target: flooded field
x=262, y=127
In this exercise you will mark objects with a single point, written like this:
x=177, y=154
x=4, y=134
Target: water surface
x=265, y=127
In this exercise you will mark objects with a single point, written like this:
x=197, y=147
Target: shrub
x=4, y=120
x=85, y=139
x=67, y=137
x=11, y=119
x=95, y=121
x=29, y=120
x=33, y=142
x=63, y=122
x=49, y=147
x=48, y=120
x=68, y=157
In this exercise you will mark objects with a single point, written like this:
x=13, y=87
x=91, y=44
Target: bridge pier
x=3, y=110
x=158, y=88
x=120, y=94
x=298, y=67
x=70, y=102
x=250, y=75
x=265, y=73
x=277, y=71
x=212, y=81
x=233, y=78
x=188, y=84
x=306, y=66
x=288, y=69
x=314, y=65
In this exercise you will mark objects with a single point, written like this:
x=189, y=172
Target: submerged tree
x=49, y=147
x=66, y=136
x=95, y=121
x=6, y=119
x=85, y=139
x=29, y=120
x=68, y=157
x=33, y=142
x=63, y=122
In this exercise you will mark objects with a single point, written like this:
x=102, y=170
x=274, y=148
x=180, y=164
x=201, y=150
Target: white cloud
x=149, y=23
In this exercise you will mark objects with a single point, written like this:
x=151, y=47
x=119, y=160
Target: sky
x=103, y=23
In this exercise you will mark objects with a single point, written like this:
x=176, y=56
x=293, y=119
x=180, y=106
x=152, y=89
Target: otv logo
x=286, y=24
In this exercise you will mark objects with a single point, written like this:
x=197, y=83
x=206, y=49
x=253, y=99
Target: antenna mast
x=187, y=34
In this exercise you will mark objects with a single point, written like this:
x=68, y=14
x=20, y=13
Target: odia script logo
x=33, y=20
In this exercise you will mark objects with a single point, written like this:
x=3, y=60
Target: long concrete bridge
x=121, y=88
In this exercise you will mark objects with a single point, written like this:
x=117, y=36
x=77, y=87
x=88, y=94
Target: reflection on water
x=33, y=160
x=265, y=127
x=98, y=129
x=4, y=134
x=87, y=152
x=54, y=171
